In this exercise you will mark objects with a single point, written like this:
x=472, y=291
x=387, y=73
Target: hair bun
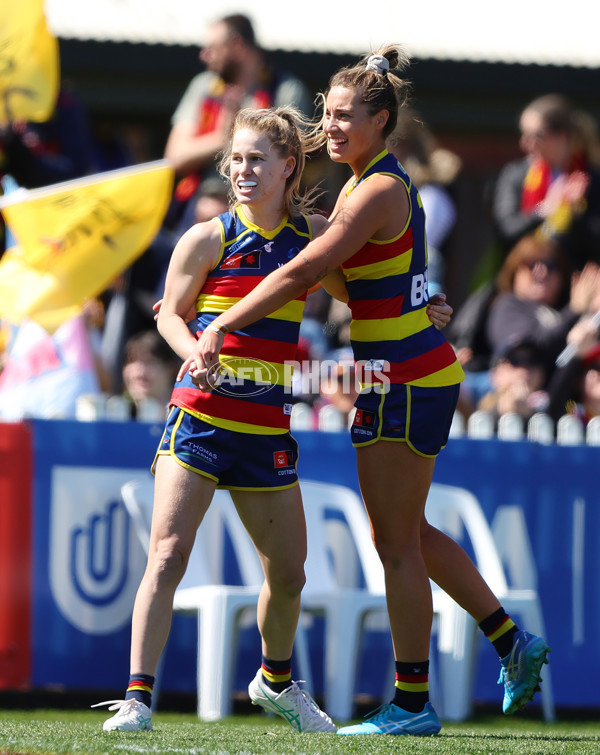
x=378, y=63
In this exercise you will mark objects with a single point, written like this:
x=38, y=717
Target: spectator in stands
x=45, y=375
x=575, y=385
x=467, y=333
x=538, y=299
x=585, y=402
x=149, y=371
x=517, y=378
x=239, y=74
x=59, y=149
x=556, y=186
x=433, y=170
x=210, y=200
x=40, y=154
x=130, y=300
x=93, y=313
x=535, y=297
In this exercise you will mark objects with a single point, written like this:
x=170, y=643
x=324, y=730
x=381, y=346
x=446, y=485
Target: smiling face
x=258, y=172
x=354, y=136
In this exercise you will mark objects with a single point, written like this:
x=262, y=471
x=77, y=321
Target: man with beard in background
x=238, y=74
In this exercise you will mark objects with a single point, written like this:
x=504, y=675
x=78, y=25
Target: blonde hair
x=378, y=90
x=292, y=135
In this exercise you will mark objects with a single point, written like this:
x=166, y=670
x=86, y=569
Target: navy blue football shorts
x=420, y=417
x=235, y=461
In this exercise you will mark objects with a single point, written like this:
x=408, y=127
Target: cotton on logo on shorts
x=282, y=459
x=364, y=418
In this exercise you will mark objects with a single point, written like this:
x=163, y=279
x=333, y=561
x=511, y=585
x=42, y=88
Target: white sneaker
x=294, y=704
x=132, y=716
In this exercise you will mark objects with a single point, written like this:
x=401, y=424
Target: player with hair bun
x=376, y=235
x=236, y=436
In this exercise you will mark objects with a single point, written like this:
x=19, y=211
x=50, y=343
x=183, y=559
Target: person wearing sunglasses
x=539, y=298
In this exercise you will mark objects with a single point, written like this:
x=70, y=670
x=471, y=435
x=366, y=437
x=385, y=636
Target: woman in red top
x=555, y=188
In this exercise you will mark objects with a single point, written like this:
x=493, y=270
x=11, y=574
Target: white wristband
x=222, y=330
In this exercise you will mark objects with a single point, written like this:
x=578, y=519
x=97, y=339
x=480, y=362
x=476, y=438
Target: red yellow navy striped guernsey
x=256, y=391
x=387, y=287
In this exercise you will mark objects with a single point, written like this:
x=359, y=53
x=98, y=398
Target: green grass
x=45, y=732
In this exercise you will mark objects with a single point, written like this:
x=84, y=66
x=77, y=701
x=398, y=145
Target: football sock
x=277, y=674
x=140, y=688
x=500, y=630
x=412, y=686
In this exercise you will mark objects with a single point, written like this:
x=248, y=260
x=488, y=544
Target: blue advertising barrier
x=87, y=562
x=557, y=489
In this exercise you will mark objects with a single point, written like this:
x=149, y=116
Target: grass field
x=45, y=732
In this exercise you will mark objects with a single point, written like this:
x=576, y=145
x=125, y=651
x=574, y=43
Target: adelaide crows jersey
x=390, y=332
x=254, y=394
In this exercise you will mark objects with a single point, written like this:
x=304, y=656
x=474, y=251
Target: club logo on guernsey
x=364, y=423
x=247, y=260
x=283, y=459
x=364, y=418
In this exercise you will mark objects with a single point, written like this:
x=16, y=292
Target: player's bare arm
x=364, y=214
x=196, y=253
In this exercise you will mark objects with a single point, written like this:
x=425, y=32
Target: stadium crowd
x=540, y=294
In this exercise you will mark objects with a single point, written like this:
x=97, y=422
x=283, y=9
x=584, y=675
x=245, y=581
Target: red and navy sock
x=412, y=686
x=277, y=674
x=500, y=630
x=140, y=688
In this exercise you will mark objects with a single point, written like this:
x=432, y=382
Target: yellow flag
x=75, y=238
x=29, y=63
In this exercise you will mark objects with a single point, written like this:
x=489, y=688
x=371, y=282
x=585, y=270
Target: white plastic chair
x=569, y=431
x=458, y=426
x=345, y=608
x=510, y=426
x=330, y=419
x=151, y=410
x=540, y=428
x=339, y=553
x=456, y=511
x=592, y=433
x=302, y=417
x=480, y=425
x=221, y=608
